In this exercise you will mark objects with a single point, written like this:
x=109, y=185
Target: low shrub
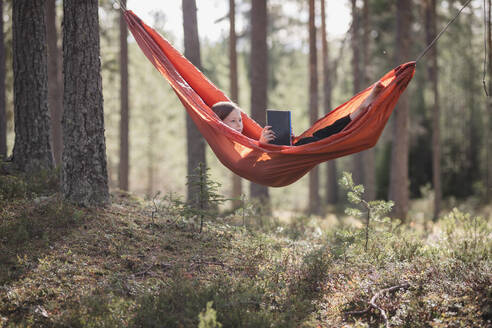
x=37, y=222
x=237, y=304
x=12, y=187
x=45, y=182
x=99, y=310
x=467, y=237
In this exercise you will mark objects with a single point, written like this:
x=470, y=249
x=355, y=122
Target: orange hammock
x=267, y=164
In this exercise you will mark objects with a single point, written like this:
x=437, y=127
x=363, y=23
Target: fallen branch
x=372, y=302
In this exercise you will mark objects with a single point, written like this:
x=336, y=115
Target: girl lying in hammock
x=230, y=114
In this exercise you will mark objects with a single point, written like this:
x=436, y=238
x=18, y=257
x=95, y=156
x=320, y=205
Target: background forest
x=395, y=236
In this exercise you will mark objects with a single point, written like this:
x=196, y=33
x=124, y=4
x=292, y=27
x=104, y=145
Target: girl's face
x=234, y=120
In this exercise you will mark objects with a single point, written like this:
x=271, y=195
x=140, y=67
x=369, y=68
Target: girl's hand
x=267, y=135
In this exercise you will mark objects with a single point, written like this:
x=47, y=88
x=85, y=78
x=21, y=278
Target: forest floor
x=143, y=263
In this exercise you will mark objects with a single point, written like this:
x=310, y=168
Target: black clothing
x=325, y=132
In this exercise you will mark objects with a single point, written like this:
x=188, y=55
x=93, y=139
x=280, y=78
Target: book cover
x=280, y=122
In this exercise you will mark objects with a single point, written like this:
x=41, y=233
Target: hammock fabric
x=267, y=164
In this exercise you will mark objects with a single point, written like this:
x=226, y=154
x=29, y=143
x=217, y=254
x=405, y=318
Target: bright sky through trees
x=209, y=11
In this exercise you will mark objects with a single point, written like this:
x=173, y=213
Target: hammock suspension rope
x=442, y=31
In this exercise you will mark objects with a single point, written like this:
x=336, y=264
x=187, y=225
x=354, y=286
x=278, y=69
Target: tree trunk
x=195, y=142
x=398, y=188
x=368, y=156
x=471, y=114
x=124, y=167
x=331, y=166
x=3, y=110
x=314, y=200
x=55, y=85
x=32, y=149
x=237, y=185
x=430, y=24
x=489, y=109
x=358, y=161
x=259, y=79
x=84, y=173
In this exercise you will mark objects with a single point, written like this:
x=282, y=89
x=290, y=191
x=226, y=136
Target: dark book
x=280, y=122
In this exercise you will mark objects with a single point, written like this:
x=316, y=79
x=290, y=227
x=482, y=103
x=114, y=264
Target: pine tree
x=84, y=169
x=358, y=160
x=234, y=88
x=124, y=166
x=3, y=111
x=259, y=78
x=195, y=141
x=331, y=167
x=398, y=188
x=32, y=149
x=368, y=156
x=430, y=28
x=314, y=200
x=488, y=139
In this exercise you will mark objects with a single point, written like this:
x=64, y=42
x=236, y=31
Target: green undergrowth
x=42, y=183
x=144, y=263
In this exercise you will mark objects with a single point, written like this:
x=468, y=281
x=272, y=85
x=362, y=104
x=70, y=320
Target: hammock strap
x=442, y=31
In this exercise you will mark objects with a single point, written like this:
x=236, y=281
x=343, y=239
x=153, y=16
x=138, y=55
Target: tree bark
x=55, y=85
x=430, y=24
x=368, y=156
x=259, y=79
x=3, y=110
x=488, y=138
x=237, y=184
x=84, y=168
x=124, y=167
x=331, y=166
x=314, y=200
x=32, y=149
x=195, y=142
x=358, y=161
x=398, y=188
